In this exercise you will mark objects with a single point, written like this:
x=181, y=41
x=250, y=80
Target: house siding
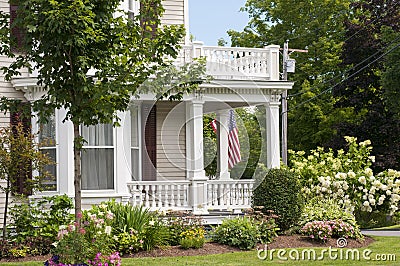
x=174, y=12
x=171, y=146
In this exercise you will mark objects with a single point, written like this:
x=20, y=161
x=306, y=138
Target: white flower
x=62, y=227
x=369, y=172
x=107, y=230
x=372, y=201
x=388, y=192
x=323, y=189
x=364, y=197
x=366, y=203
x=351, y=174
x=362, y=180
x=151, y=223
x=372, y=178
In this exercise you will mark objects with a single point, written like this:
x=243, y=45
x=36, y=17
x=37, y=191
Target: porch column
x=223, y=145
x=195, y=157
x=272, y=133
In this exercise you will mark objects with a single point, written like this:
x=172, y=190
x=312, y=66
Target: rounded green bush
x=279, y=190
x=239, y=232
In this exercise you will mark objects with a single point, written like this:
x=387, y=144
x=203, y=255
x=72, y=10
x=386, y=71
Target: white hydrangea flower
x=369, y=172
x=372, y=201
x=362, y=180
x=351, y=174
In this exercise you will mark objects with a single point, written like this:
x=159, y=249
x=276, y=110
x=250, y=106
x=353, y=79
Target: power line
x=345, y=72
x=343, y=80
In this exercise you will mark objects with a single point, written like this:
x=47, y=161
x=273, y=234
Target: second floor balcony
x=238, y=63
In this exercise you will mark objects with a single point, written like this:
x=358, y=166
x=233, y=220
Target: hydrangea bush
x=347, y=177
x=322, y=230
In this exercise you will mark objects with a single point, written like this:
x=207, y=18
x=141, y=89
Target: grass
x=392, y=227
x=382, y=245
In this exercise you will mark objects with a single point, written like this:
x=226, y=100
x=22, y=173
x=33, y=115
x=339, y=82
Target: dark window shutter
x=145, y=8
x=17, y=33
x=149, y=150
x=21, y=115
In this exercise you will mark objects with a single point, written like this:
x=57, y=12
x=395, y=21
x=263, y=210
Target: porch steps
x=216, y=217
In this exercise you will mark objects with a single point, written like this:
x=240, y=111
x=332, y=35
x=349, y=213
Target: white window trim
x=138, y=105
x=35, y=129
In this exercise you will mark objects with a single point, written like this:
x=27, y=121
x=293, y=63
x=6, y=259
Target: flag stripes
x=233, y=139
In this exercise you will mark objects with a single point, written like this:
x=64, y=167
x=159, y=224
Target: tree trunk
x=5, y=211
x=77, y=171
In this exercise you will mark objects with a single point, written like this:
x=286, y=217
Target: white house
x=156, y=157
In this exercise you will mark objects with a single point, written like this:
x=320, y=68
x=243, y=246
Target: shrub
x=347, y=177
x=322, y=230
x=279, y=190
x=192, y=238
x=139, y=228
x=181, y=222
x=239, y=232
x=319, y=209
x=79, y=243
x=41, y=218
x=318, y=230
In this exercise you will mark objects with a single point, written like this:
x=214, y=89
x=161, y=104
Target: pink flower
x=79, y=215
x=82, y=231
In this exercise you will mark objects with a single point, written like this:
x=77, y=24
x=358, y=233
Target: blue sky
x=210, y=19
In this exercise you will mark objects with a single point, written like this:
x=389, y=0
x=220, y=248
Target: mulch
x=293, y=241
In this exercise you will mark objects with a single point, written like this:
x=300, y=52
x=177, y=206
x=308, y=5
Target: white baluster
x=159, y=196
x=228, y=194
x=166, y=199
x=246, y=195
x=146, y=196
x=185, y=195
x=153, y=196
x=173, y=190
x=178, y=196
x=140, y=189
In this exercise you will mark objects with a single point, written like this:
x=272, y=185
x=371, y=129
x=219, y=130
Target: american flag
x=233, y=139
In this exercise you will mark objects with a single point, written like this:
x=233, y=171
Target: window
x=135, y=160
x=98, y=157
x=47, y=138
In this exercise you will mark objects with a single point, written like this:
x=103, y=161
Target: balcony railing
x=235, y=62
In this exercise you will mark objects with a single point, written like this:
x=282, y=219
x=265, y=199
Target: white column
x=65, y=154
x=122, y=156
x=223, y=145
x=272, y=134
x=195, y=157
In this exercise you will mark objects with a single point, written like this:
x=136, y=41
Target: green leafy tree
x=89, y=60
x=368, y=43
x=318, y=26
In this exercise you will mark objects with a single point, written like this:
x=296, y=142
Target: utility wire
x=343, y=80
x=345, y=72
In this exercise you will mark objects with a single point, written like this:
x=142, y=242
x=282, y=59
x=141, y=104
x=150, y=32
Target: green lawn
x=396, y=226
x=383, y=246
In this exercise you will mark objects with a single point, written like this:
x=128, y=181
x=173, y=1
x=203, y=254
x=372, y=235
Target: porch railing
x=235, y=62
x=176, y=195
x=225, y=195
x=160, y=195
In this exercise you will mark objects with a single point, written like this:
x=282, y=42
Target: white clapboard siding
x=171, y=147
x=174, y=12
